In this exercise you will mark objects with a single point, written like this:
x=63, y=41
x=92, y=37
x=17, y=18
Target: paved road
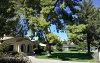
x=35, y=60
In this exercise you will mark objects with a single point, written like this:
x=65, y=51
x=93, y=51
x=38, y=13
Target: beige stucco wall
x=26, y=43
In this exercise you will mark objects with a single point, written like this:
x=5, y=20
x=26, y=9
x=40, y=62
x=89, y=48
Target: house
x=20, y=44
x=93, y=48
x=66, y=47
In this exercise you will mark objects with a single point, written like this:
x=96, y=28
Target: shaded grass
x=67, y=56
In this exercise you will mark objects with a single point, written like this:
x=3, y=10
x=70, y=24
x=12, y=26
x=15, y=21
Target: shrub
x=43, y=49
x=21, y=54
x=13, y=53
x=73, y=49
x=14, y=57
x=15, y=60
x=59, y=46
x=37, y=51
x=81, y=46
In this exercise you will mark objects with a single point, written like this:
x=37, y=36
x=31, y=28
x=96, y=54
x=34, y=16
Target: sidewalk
x=35, y=60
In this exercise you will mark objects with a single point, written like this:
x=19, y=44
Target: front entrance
x=11, y=48
x=29, y=48
x=23, y=48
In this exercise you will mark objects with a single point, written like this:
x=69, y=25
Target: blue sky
x=96, y=3
x=61, y=35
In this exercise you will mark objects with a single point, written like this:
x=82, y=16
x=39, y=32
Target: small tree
x=4, y=47
x=76, y=34
x=52, y=39
x=82, y=46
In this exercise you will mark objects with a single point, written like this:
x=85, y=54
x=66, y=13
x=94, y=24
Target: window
x=11, y=48
x=23, y=48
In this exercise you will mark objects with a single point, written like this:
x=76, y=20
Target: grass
x=68, y=56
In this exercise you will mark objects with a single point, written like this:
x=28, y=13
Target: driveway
x=35, y=60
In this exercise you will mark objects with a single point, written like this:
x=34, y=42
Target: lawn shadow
x=69, y=56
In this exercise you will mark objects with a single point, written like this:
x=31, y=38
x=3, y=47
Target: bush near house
x=14, y=60
x=4, y=47
x=73, y=49
x=14, y=57
x=38, y=50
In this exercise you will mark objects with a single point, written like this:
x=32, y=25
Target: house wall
x=26, y=43
x=65, y=48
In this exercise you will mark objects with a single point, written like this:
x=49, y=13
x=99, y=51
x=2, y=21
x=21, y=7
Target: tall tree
x=41, y=23
x=88, y=15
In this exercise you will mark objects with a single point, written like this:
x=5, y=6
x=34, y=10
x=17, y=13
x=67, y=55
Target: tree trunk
x=48, y=49
x=88, y=43
x=48, y=46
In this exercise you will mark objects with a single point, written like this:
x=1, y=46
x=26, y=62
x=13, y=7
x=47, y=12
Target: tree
x=89, y=15
x=52, y=40
x=7, y=19
x=82, y=46
x=5, y=46
x=76, y=34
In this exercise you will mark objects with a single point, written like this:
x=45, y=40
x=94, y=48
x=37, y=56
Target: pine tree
x=89, y=15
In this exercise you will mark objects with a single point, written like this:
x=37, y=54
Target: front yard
x=68, y=56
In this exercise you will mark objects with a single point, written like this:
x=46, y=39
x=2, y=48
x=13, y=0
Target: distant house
x=66, y=47
x=20, y=44
x=93, y=48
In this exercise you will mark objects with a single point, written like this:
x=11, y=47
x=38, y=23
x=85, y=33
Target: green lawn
x=68, y=56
